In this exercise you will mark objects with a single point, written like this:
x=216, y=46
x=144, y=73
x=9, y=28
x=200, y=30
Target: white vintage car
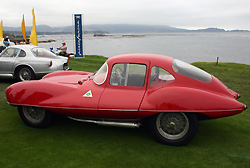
x=27, y=62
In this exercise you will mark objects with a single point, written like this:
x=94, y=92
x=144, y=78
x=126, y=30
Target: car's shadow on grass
x=7, y=80
x=93, y=132
x=82, y=133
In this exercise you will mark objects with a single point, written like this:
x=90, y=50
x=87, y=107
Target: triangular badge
x=88, y=94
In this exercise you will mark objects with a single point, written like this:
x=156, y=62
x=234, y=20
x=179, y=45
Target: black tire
x=35, y=117
x=2, y=48
x=24, y=73
x=174, y=129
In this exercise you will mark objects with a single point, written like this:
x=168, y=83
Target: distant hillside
x=217, y=30
x=129, y=28
x=39, y=28
x=111, y=28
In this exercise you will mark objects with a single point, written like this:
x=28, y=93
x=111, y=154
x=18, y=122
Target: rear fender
x=182, y=99
x=235, y=94
x=22, y=65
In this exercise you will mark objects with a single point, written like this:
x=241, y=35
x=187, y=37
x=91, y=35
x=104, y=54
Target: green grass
x=90, y=63
x=222, y=142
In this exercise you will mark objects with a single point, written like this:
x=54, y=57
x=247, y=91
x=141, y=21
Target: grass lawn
x=222, y=142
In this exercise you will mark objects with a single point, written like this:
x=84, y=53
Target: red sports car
x=166, y=94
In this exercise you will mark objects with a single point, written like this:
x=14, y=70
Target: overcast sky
x=189, y=14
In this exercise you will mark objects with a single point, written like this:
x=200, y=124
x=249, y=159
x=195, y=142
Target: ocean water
x=188, y=47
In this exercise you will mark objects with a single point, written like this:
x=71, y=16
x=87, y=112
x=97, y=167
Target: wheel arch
x=182, y=138
x=34, y=117
x=23, y=65
x=200, y=116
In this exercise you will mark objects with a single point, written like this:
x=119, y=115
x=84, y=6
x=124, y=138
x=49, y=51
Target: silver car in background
x=27, y=62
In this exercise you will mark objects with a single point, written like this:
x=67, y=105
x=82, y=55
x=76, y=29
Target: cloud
x=228, y=14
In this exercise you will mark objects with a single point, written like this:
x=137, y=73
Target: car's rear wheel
x=35, y=116
x=173, y=128
x=25, y=74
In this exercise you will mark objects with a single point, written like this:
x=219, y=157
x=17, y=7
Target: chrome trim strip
x=117, y=110
x=68, y=108
x=6, y=75
x=188, y=110
x=50, y=107
x=130, y=110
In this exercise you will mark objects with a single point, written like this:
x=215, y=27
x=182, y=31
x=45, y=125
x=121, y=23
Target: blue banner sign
x=78, y=35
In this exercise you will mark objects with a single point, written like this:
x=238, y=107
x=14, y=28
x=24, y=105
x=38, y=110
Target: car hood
x=43, y=92
x=69, y=79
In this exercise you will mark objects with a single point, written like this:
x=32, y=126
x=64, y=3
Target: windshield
x=191, y=71
x=42, y=52
x=101, y=75
x=10, y=52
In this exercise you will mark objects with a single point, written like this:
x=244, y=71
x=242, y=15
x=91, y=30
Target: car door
x=124, y=91
x=7, y=60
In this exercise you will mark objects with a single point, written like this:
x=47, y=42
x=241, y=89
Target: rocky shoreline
x=17, y=39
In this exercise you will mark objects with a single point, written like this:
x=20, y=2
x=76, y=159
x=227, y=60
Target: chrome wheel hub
x=172, y=125
x=34, y=114
x=25, y=74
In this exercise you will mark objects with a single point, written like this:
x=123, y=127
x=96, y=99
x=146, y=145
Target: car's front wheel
x=35, y=116
x=173, y=128
x=25, y=74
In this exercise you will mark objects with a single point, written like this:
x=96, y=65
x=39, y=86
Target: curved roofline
x=27, y=46
x=151, y=57
x=162, y=61
x=145, y=55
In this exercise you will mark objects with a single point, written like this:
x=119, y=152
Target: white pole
x=73, y=33
x=83, y=37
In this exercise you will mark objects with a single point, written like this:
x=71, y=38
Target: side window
x=126, y=74
x=10, y=52
x=38, y=52
x=42, y=52
x=191, y=71
x=160, y=77
x=22, y=54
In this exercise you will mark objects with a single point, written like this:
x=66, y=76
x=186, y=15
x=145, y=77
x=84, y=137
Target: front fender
x=27, y=92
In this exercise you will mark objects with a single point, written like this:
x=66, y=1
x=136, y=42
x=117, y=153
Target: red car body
x=120, y=92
